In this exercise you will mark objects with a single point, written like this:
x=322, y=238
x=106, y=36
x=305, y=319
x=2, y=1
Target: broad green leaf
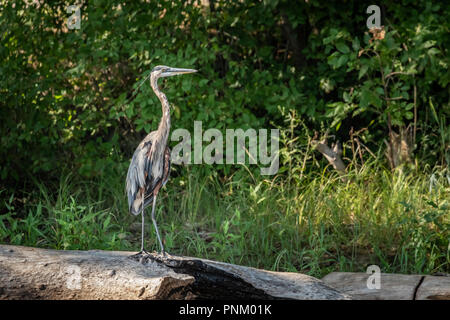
x=409, y=115
x=363, y=70
x=341, y=61
x=342, y=47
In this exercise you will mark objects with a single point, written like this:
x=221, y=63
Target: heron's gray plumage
x=150, y=164
x=143, y=175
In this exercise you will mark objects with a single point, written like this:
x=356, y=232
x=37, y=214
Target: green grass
x=313, y=223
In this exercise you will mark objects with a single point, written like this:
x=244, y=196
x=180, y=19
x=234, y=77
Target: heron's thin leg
x=142, y=234
x=156, y=226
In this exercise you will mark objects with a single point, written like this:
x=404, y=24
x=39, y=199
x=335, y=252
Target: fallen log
x=392, y=286
x=33, y=273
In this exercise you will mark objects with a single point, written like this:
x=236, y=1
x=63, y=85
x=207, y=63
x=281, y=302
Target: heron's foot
x=142, y=256
x=143, y=252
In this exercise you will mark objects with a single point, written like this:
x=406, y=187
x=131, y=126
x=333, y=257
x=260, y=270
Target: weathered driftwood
x=392, y=286
x=333, y=154
x=434, y=288
x=32, y=273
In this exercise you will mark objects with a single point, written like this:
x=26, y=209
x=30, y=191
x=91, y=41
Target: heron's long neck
x=164, y=124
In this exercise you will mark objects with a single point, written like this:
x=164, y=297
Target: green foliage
x=389, y=71
x=316, y=225
x=64, y=96
x=61, y=222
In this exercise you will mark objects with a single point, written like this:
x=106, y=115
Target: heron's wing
x=166, y=165
x=139, y=176
x=161, y=180
x=148, y=172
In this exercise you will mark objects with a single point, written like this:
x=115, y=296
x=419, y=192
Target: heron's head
x=165, y=71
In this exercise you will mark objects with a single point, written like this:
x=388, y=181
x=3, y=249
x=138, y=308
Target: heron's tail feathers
x=136, y=204
x=136, y=207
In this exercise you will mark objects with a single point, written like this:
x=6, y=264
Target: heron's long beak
x=177, y=71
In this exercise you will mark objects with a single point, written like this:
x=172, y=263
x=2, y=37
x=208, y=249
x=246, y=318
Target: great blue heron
x=150, y=165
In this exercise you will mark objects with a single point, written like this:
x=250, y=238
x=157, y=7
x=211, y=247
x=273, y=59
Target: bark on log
x=392, y=286
x=434, y=288
x=32, y=273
